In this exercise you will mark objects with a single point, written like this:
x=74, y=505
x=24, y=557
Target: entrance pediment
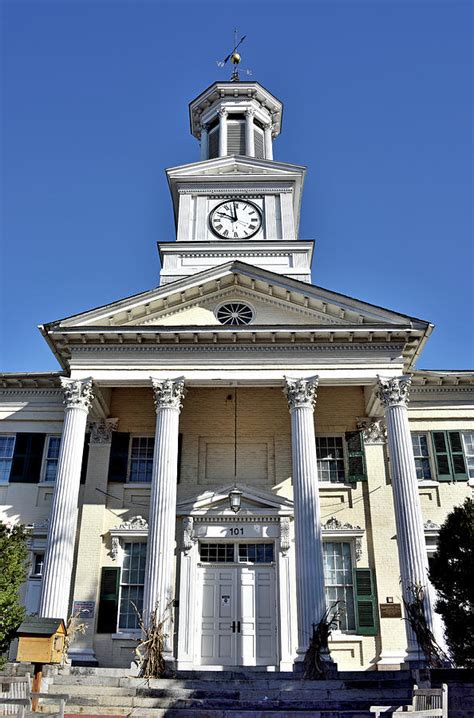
x=253, y=501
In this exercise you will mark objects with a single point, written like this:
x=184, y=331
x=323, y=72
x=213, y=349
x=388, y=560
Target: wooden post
x=36, y=685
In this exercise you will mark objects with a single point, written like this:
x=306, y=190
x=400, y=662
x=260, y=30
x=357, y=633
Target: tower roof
x=223, y=92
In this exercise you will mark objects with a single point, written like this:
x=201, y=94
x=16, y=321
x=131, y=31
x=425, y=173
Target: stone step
x=213, y=713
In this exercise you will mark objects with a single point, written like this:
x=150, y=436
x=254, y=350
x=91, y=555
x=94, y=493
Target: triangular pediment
x=276, y=300
x=236, y=164
x=217, y=501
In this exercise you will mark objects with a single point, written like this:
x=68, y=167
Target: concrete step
x=214, y=713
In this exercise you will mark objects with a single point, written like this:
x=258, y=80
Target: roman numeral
x=236, y=235
x=225, y=233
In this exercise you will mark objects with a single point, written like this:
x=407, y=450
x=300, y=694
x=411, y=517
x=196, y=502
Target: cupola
x=236, y=118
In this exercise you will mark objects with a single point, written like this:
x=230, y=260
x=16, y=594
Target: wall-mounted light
x=235, y=497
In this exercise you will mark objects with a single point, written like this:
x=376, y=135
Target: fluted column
x=311, y=601
x=249, y=134
x=393, y=393
x=204, y=142
x=59, y=555
x=223, y=132
x=160, y=562
x=268, y=129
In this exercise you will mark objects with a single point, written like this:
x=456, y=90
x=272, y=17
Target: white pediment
x=277, y=300
x=252, y=501
x=236, y=164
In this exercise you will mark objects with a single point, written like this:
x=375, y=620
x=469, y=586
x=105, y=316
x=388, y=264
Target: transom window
x=234, y=313
x=236, y=553
x=468, y=442
x=421, y=454
x=141, y=458
x=330, y=456
x=339, y=581
x=131, y=584
x=7, y=445
x=51, y=458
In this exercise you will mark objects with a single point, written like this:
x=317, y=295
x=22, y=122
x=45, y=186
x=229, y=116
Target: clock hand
x=221, y=214
x=234, y=212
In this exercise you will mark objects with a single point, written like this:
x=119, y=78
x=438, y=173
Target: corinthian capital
x=77, y=393
x=393, y=391
x=223, y=112
x=250, y=112
x=101, y=431
x=301, y=392
x=169, y=393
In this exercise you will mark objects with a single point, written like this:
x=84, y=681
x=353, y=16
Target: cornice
x=30, y=391
x=177, y=348
x=220, y=193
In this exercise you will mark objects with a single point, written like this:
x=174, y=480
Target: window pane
x=468, y=441
x=132, y=579
x=338, y=578
x=255, y=553
x=7, y=445
x=330, y=455
x=421, y=454
x=141, y=461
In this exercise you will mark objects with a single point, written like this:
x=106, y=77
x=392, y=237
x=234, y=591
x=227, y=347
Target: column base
x=414, y=658
x=83, y=657
x=391, y=660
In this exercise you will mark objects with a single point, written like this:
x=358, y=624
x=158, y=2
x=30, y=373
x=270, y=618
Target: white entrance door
x=238, y=616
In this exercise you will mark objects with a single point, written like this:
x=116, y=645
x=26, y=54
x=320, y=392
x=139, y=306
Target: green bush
x=13, y=572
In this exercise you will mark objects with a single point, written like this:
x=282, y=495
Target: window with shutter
x=339, y=581
x=235, y=137
x=109, y=600
x=259, y=144
x=213, y=140
x=118, y=463
x=366, y=602
x=356, y=454
x=27, y=458
x=457, y=457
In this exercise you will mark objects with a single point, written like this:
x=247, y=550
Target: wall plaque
x=83, y=609
x=390, y=610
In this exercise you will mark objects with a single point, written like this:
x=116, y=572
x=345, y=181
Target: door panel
x=238, y=616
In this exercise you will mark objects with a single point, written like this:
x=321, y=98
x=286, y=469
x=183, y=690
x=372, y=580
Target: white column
x=268, y=129
x=249, y=135
x=393, y=393
x=311, y=601
x=160, y=562
x=204, y=142
x=59, y=556
x=223, y=132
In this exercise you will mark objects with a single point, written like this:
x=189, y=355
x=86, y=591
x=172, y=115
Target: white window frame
x=8, y=435
x=124, y=540
x=467, y=456
x=338, y=435
x=351, y=541
x=34, y=574
x=433, y=468
x=129, y=465
x=45, y=459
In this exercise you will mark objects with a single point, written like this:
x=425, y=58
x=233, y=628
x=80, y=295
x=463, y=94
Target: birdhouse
x=41, y=640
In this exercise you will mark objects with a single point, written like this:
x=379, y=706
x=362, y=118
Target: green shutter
x=441, y=452
x=118, y=463
x=27, y=458
x=355, y=449
x=366, y=602
x=109, y=600
x=458, y=462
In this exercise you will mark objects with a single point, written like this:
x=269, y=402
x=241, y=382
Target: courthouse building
x=237, y=447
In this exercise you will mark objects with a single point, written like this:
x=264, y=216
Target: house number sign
x=236, y=530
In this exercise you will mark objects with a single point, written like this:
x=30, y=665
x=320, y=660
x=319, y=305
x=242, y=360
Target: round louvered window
x=234, y=313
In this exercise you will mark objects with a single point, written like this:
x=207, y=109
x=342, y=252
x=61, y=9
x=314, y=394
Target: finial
x=235, y=59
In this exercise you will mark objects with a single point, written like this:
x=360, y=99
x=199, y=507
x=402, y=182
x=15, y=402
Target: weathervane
x=235, y=58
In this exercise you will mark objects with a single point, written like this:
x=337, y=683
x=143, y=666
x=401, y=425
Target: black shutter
x=118, y=464
x=366, y=605
x=85, y=458
x=355, y=450
x=180, y=447
x=27, y=458
x=109, y=600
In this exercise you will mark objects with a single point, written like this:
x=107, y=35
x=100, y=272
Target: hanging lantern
x=235, y=497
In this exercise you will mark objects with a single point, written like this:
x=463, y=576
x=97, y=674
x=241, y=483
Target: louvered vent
x=214, y=143
x=236, y=137
x=258, y=139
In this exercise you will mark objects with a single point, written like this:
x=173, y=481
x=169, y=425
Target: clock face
x=235, y=219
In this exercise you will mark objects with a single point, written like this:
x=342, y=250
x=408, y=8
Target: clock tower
x=237, y=202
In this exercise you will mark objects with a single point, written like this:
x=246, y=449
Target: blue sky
x=378, y=105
